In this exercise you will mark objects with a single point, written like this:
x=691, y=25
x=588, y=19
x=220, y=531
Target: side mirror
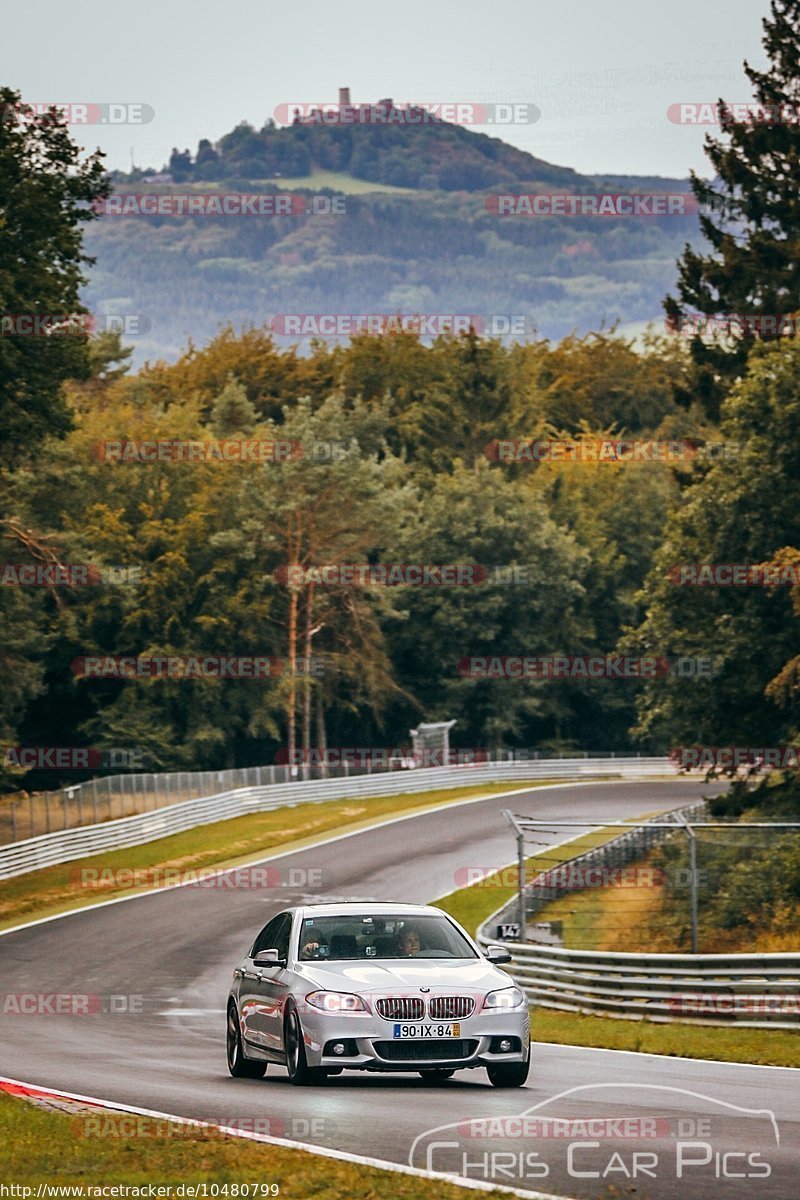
x=269, y=958
x=497, y=954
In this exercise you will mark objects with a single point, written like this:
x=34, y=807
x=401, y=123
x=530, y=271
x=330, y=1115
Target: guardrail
x=66, y=845
x=551, y=883
x=111, y=797
x=748, y=989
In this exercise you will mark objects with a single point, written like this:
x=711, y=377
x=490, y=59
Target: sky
x=602, y=75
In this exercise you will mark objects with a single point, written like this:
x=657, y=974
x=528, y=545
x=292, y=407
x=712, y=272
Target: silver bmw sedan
x=374, y=987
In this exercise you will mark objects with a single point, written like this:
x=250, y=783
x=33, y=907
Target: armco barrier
x=69, y=844
x=760, y=990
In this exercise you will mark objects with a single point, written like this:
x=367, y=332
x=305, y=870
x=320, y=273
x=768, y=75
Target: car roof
x=353, y=908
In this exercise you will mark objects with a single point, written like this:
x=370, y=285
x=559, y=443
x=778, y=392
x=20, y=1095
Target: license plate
x=446, y=1029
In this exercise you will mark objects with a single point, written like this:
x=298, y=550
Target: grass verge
x=769, y=1047
x=472, y=905
x=614, y=917
x=227, y=843
x=38, y=1145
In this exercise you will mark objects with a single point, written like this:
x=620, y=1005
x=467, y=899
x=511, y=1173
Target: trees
x=750, y=214
x=46, y=193
x=473, y=514
x=336, y=500
x=743, y=510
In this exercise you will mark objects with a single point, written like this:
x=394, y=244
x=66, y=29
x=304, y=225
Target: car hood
x=398, y=975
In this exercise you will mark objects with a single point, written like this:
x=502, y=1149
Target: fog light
x=505, y=1046
x=338, y=1047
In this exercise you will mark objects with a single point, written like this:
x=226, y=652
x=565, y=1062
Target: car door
x=273, y=984
x=255, y=1020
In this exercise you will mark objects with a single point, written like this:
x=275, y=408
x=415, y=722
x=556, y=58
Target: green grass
x=612, y=917
x=770, y=1047
x=226, y=843
x=38, y=1145
x=339, y=181
x=472, y=905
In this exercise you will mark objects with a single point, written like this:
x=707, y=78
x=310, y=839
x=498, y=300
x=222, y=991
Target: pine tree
x=232, y=411
x=750, y=214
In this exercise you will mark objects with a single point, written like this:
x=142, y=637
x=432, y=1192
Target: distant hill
x=428, y=244
x=411, y=153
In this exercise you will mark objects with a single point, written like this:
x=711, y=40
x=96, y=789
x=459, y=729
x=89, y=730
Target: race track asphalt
x=176, y=950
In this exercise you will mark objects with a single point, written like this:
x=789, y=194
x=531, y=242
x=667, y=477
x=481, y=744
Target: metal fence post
x=521, y=884
x=692, y=875
x=693, y=882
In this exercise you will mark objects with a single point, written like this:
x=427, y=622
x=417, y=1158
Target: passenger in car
x=315, y=947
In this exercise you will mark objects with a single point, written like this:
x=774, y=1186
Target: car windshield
x=369, y=936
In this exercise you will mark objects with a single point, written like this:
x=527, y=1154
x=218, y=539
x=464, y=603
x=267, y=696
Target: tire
x=300, y=1073
x=239, y=1066
x=436, y=1075
x=509, y=1075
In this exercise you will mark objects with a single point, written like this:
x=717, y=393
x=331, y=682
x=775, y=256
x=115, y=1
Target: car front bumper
x=370, y=1045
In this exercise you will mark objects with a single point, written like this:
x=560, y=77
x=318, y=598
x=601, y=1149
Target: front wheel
x=300, y=1072
x=436, y=1075
x=239, y=1066
x=509, y=1075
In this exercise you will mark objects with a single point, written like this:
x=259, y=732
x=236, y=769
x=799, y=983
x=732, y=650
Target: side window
x=273, y=935
x=282, y=936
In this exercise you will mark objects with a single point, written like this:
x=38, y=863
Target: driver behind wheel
x=409, y=942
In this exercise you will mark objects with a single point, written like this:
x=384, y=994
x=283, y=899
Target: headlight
x=510, y=997
x=337, y=1002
